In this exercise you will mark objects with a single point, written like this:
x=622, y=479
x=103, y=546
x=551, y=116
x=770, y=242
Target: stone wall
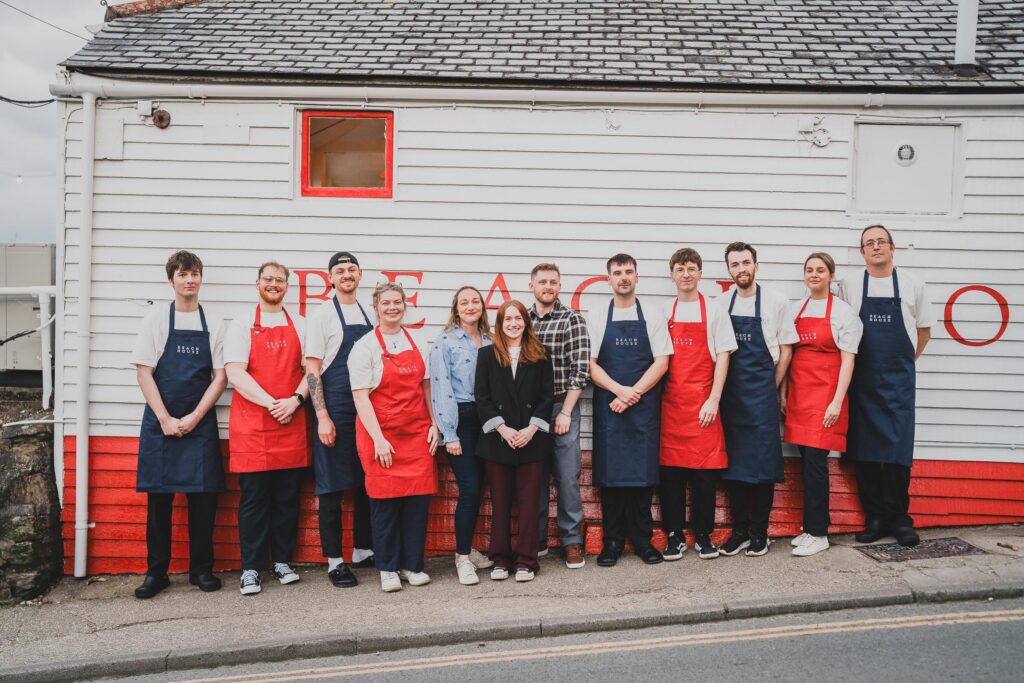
x=31, y=552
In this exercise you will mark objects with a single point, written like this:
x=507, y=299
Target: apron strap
x=732, y=301
x=608, y=319
x=864, y=292
x=672, y=318
x=171, y=323
x=703, y=310
x=257, y=319
x=828, y=307
x=895, y=285
x=757, y=302
x=202, y=319
x=639, y=311
x=807, y=301
x=365, y=317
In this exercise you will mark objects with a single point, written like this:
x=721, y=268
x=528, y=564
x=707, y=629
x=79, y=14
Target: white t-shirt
x=917, y=308
x=846, y=327
x=776, y=318
x=513, y=357
x=366, y=360
x=238, y=338
x=324, y=332
x=721, y=338
x=657, y=330
x=149, y=345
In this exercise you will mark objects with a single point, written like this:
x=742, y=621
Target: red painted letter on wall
x=410, y=299
x=497, y=286
x=304, y=294
x=575, y=302
x=1004, y=314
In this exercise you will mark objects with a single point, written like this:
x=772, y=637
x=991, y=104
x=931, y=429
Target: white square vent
x=906, y=169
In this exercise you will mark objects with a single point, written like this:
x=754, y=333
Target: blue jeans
x=469, y=478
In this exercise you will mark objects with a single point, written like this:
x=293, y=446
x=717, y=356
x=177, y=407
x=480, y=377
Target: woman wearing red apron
x=692, y=440
x=267, y=430
x=815, y=393
x=396, y=436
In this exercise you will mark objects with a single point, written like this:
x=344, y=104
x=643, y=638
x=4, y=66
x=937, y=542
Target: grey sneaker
x=285, y=574
x=249, y=583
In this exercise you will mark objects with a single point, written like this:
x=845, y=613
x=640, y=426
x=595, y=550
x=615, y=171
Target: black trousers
x=884, y=491
x=627, y=510
x=202, y=508
x=751, y=504
x=816, y=491
x=330, y=522
x=268, y=516
x=399, y=532
x=672, y=494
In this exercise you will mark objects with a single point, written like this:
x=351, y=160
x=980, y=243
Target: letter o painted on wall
x=1004, y=313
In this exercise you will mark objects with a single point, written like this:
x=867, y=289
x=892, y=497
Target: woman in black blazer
x=514, y=396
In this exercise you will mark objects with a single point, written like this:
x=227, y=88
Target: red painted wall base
x=944, y=493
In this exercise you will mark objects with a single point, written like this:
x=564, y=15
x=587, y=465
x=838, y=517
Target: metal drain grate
x=926, y=550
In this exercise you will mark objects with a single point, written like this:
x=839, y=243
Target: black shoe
x=152, y=585
x=650, y=555
x=610, y=554
x=736, y=543
x=873, y=530
x=906, y=536
x=206, y=581
x=675, y=547
x=758, y=546
x=342, y=577
x=706, y=550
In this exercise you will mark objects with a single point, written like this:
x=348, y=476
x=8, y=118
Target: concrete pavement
x=95, y=627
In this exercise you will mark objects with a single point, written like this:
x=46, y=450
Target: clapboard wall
x=483, y=193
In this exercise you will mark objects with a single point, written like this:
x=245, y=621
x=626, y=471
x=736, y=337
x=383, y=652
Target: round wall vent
x=906, y=154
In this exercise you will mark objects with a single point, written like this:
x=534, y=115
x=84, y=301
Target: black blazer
x=530, y=394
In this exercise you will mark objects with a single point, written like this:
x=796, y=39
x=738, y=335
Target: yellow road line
x=767, y=633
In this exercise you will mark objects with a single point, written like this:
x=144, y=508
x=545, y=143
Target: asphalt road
x=953, y=641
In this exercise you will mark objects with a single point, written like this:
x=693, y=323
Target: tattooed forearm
x=316, y=392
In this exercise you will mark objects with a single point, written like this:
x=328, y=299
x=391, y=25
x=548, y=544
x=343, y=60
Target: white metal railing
x=43, y=293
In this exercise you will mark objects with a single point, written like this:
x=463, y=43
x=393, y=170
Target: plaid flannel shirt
x=563, y=332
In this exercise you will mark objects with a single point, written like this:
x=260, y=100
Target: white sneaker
x=467, y=572
x=249, y=583
x=389, y=582
x=284, y=573
x=479, y=560
x=414, y=578
x=523, y=575
x=800, y=540
x=499, y=574
x=812, y=546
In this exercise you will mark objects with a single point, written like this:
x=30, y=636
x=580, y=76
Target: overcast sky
x=29, y=53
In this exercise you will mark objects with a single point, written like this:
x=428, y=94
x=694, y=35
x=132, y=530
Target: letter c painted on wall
x=1004, y=312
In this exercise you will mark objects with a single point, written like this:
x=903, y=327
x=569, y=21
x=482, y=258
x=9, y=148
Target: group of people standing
x=688, y=392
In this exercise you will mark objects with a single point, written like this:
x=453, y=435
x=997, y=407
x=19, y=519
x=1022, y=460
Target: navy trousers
x=399, y=532
x=268, y=516
x=202, y=507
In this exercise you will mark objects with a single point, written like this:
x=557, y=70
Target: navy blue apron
x=626, y=445
x=750, y=404
x=883, y=384
x=190, y=463
x=337, y=467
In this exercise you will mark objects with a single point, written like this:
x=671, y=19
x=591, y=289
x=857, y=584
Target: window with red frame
x=347, y=154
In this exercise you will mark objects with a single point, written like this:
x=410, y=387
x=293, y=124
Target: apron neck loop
x=895, y=286
x=639, y=311
x=202, y=319
x=383, y=346
x=757, y=300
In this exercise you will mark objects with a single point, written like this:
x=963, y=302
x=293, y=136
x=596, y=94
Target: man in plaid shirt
x=563, y=332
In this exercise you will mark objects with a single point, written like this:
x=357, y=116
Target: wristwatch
x=302, y=399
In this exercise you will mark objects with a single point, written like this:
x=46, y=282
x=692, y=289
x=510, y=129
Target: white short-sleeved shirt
x=366, y=360
x=721, y=338
x=657, y=330
x=917, y=307
x=149, y=345
x=776, y=318
x=238, y=338
x=846, y=327
x=324, y=332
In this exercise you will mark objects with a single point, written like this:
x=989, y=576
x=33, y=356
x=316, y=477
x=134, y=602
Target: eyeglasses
x=881, y=242
x=267, y=280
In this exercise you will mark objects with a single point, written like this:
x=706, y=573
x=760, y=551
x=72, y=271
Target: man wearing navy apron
x=629, y=354
x=765, y=333
x=180, y=369
x=897, y=319
x=330, y=333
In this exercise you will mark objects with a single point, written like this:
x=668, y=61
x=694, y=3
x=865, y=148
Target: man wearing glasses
x=897, y=319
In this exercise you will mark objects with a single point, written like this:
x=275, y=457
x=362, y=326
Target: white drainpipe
x=965, y=63
x=84, y=360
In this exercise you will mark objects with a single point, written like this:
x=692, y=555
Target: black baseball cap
x=341, y=257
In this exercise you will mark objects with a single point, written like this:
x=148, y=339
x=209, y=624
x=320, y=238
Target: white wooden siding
x=480, y=192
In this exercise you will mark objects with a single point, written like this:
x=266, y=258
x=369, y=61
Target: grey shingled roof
x=792, y=44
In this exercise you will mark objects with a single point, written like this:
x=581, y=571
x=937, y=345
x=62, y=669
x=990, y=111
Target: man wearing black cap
x=330, y=333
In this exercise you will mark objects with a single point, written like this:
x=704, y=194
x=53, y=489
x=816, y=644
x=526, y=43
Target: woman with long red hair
x=514, y=396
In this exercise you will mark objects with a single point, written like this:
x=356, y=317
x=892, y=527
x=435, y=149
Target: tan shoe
x=574, y=558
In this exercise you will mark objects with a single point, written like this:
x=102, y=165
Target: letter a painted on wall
x=497, y=286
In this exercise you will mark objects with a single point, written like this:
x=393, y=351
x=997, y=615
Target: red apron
x=690, y=377
x=401, y=411
x=258, y=442
x=813, y=378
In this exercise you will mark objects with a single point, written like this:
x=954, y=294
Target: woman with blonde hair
x=396, y=436
x=514, y=396
x=452, y=378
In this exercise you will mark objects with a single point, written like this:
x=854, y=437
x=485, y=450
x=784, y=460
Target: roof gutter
x=149, y=89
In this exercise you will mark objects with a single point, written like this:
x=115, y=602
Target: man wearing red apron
x=897, y=317
x=267, y=431
x=692, y=441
